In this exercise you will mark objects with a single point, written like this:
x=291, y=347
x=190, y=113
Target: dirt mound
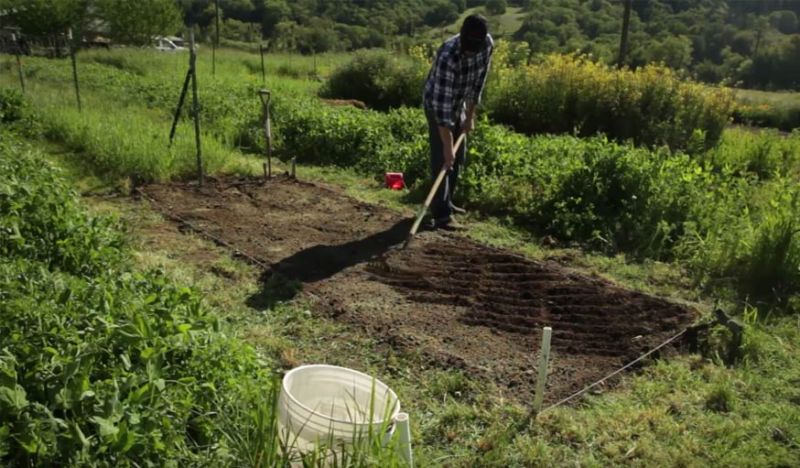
x=509, y=293
x=458, y=302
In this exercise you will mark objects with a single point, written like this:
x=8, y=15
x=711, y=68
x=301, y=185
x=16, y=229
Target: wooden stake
x=216, y=40
x=180, y=106
x=265, y=96
x=544, y=359
x=19, y=62
x=195, y=107
x=263, y=70
x=71, y=46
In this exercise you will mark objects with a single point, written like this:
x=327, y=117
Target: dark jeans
x=441, y=206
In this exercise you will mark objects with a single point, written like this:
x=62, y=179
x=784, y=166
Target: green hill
x=504, y=25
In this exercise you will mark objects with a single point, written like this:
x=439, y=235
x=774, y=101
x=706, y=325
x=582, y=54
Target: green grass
x=779, y=110
x=688, y=410
x=772, y=98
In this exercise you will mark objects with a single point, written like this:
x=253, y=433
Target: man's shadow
x=286, y=278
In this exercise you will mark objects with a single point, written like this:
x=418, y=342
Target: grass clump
x=780, y=110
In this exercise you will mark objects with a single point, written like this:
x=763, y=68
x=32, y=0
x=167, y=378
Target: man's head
x=473, y=33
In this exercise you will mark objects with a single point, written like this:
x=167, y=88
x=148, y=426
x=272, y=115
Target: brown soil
x=460, y=303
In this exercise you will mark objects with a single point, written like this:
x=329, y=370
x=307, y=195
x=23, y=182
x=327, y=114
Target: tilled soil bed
x=456, y=301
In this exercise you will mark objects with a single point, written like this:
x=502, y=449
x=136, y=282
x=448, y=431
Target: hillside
x=753, y=43
x=502, y=25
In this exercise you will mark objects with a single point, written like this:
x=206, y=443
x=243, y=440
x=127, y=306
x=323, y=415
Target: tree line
x=754, y=43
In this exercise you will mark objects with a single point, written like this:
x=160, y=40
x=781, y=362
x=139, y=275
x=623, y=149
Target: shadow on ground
x=286, y=278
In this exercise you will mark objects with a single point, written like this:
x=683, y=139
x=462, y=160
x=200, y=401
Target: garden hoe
x=431, y=194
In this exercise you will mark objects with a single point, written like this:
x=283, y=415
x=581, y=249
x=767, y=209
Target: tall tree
x=138, y=22
x=623, y=41
x=46, y=17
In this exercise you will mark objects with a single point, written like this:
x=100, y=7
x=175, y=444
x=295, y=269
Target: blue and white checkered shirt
x=456, y=79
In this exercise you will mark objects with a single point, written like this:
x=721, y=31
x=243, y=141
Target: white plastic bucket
x=322, y=404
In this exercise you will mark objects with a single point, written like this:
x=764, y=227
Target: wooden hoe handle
x=432, y=193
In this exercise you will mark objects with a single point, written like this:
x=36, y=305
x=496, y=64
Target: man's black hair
x=473, y=33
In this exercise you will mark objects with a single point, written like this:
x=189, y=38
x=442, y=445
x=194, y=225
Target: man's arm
x=447, y=146
x=469, y=124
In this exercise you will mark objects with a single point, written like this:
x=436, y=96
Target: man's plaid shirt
x=456, y=79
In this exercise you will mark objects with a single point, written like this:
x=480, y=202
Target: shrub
x=378, y=78
x=651, y=106
x=39, y=218
x=16, y=113
x=12, y=105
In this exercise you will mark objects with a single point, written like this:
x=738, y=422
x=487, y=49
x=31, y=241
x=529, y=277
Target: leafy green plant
x=101, y=364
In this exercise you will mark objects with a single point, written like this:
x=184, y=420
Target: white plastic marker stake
x=404, y=428
x=544, y=358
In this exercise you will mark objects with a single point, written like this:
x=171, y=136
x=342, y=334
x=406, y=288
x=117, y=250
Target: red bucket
x=394, y=180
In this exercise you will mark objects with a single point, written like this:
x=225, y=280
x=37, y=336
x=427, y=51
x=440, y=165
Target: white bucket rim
x=392, y=394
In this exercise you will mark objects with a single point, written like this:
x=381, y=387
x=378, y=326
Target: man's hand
x=447, y=147
x=449, y=157
x=469, y=125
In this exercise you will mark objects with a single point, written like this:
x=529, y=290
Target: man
x=452, y=93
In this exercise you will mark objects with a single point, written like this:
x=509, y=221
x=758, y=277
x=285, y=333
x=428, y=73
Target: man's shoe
x=448, y=224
